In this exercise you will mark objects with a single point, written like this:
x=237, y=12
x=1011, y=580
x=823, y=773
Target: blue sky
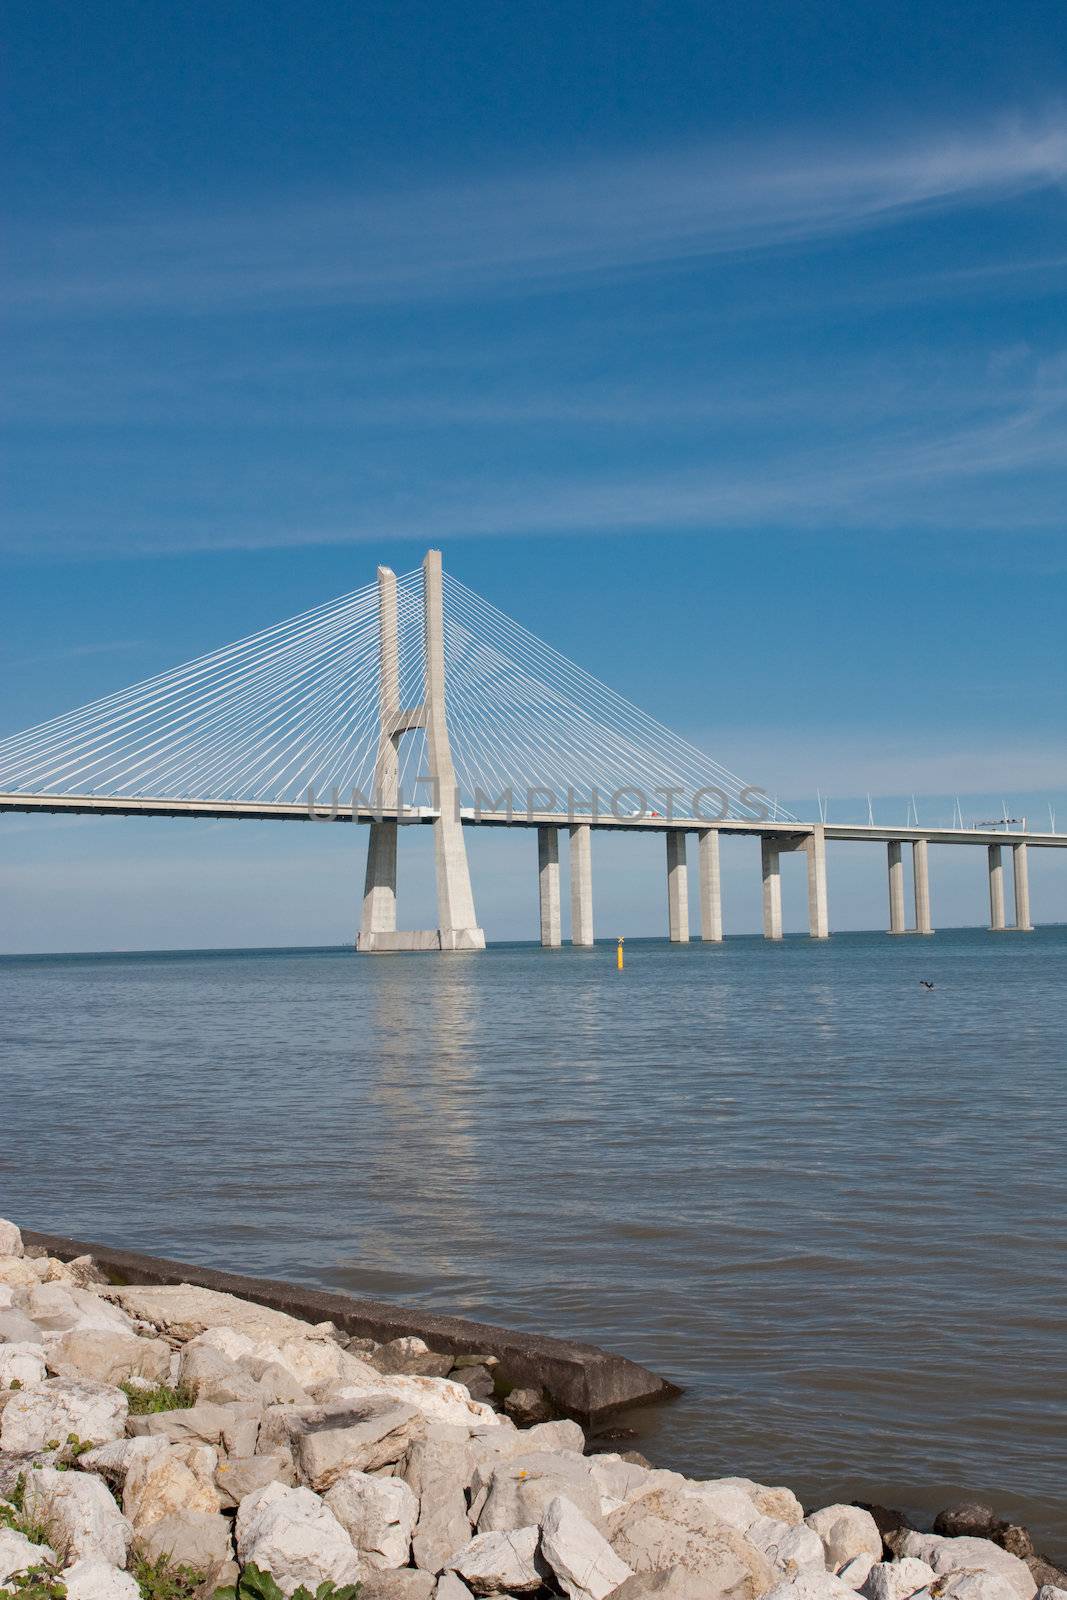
x=723, y=345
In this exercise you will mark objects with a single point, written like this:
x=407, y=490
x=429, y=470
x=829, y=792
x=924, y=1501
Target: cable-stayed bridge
x=415, y=701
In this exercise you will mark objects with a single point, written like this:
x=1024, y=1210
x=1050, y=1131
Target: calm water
x=830, y=1204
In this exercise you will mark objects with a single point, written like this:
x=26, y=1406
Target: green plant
x=161, y=1397
x=13, y=1515
x=163, y=1580
x=36, y=1583
x=256, y=1585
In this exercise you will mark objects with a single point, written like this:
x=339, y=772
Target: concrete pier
x=1020, y=871
x=581, y=865
x=710, y=886
x=548, y=886
x=677, y=889
x=896, y=887
x=378, y=923
x=818, y=903
x=997, y=920
x=920, y=865
x=772, y=887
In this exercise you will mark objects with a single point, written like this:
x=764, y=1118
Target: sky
x=723, y=346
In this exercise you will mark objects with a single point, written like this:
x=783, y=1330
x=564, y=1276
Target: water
x=827, y=1202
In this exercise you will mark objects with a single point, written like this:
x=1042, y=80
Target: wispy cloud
x=521, y=231
x=72, y=653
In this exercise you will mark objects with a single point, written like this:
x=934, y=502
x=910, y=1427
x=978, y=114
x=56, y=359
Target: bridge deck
x=252, y=811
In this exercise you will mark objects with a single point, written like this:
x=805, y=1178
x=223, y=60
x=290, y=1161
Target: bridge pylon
x=457, y=927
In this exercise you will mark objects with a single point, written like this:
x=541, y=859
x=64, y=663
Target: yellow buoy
x=618, y=956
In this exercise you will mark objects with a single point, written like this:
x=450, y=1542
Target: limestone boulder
x=21, y=1363
x=527, y=1406
x=186, y=1538
x=500, y=1563
x=396, y=1583
x=621, y=1482
x=846, y=1531
x=671, y=1583
x=19, y=1554
x=237, y=1476
x=584, y=1564
x=114, y=1460
x=729, y=1501
x=94, y=1579
x=411, y=1356
x=672, y=1527
x=897, y=1580
x=971, y=1583
x=58, y=1407
x=235, y=1429
x=109, y=1356
x=450, y=1586
x=18, y=1273
x=182, y=1311
x=769, y=1500
x=948, y=1556
x=17, y=1328
x=168, y=1481
x=856, y=1571
x=812, y=1586
x=325, y=1442
x=59, y=1308
x=10, y=1238
x=294, y=1536
x=1050, y=1591
x=214, y=1378
x=378, y=1514
x=80, y=1514
x=790, y=1547
x=438, y=1471
x=439, y=1399
x=521, y=1489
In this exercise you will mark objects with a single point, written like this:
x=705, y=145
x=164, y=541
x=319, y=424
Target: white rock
x=81, y=1517
x=438, y=1471
x=583, y=1561
x=790, y=1548
x=451, y=1587
x=183, y=1311
x=368, y=1435
x=172, y=1480
x=18, y=1273
x=15, y=1326
x=17, y=1553
x=770, y=1500
x=812, y=1586
x=197, y=1539
x=109, y=1355
x=58, y=1308
x=674, y=1527
x=93, y=1579
x=972, y=1584
x=21, y=1363
x=520, y=1490
x=897, y=1580
x=618, y=1481
x=500, y=1563
x=846, y=1531
x=310, y=1360
x=437, y=1398
x=856, y=1571
x=378, y=1514
x=1049, y=1591
x=956, y=1555
x=10, y=1238
x=52, y=1410
x=294, y=1536
x=728, y=1501
x=115, y=1459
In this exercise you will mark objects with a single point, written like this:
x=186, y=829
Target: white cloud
x=516, y=231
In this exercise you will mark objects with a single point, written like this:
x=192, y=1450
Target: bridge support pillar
x=896, y=886
x=1022, y=888
x=548, y=886
x=818, y=905
x=581, y=865
x=997, y=921
x=710, y=887
x=677, y=887
x=920, y=867
x=772, y=887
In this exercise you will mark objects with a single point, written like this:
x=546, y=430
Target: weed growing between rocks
x=256, y=1585
x=144, y=1401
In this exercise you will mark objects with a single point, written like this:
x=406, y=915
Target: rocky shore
x=167, y=1441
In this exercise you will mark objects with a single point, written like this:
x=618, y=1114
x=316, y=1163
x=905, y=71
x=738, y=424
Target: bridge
x=414, y=702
